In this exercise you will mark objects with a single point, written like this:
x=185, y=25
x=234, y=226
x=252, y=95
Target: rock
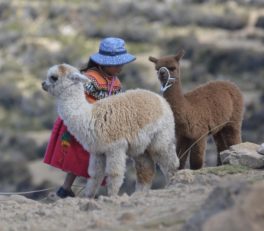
x=184, y=176
x=243, y=154
x=90, y=206
x=221, y=198
x=127, y=217
x=261, y=149
x=234, y=206
x=246, y=214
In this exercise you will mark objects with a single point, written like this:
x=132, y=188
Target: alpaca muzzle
x=44, y=86
x=164, y=72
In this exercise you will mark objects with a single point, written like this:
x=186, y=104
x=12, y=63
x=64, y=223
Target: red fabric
x=69, y=155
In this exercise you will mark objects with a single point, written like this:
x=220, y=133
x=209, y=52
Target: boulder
x=246, y=214
x=233, y=206
x=261, y=149
x=246, y=154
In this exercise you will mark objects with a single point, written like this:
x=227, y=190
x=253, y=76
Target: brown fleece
x=214, y=108
x=145, y=168
x=115, y=124
x=62, y=70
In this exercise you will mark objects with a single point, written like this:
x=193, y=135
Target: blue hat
x=112, y=52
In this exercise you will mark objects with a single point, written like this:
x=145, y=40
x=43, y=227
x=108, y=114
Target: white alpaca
x=137, y=123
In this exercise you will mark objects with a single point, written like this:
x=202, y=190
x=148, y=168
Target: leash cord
x=34, y=191
x=181, y=156
x=27, y=192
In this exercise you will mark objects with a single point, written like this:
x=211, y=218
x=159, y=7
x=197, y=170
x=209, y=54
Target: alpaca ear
x=78, y=77
x=152, y=59
x=179, y=55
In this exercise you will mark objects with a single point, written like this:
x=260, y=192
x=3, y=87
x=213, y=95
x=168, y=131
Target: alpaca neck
x=174, y=95
x=73, y=107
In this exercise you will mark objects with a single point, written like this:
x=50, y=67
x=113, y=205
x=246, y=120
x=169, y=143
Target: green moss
x=256, y=179
x=223, y=170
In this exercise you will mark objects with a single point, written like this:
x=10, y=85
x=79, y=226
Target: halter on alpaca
x=170, y=80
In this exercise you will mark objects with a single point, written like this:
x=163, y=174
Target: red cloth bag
x=65, y=152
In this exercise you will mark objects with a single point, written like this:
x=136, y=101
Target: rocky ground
x=222, y=39
x=227, y=197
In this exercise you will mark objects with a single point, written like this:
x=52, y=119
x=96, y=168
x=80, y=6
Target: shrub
x=14, y=175
x=10, y=96
x=230, y=60
x=18, y=143
x=260, y=22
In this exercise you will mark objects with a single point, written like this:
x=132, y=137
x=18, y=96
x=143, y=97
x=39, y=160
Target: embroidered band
x=112, y=53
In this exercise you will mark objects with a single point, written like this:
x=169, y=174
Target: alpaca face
x=60, y=78
x=168, y=68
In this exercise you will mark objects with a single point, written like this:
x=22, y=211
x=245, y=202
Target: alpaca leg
x=167, y=160
x=173, y=160
x=182, y=150
x=232, y=134
x=197, y=154
x=115, y=170
x=145, y=168
x=220, y=144
x=228, y=136
x=96, y=171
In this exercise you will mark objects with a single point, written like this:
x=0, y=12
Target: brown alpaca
x=214, y=108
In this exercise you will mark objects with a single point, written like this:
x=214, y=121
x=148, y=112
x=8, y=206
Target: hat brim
x=116, y=60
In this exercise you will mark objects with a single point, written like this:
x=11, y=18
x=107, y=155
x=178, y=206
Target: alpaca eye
x=54, y=78
x=172, y=68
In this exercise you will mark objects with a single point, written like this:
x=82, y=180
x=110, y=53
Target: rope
x=36, y=191
x=203, y=137
x=27, y=192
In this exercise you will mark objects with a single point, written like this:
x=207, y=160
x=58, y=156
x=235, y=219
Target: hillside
x=223, y=40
